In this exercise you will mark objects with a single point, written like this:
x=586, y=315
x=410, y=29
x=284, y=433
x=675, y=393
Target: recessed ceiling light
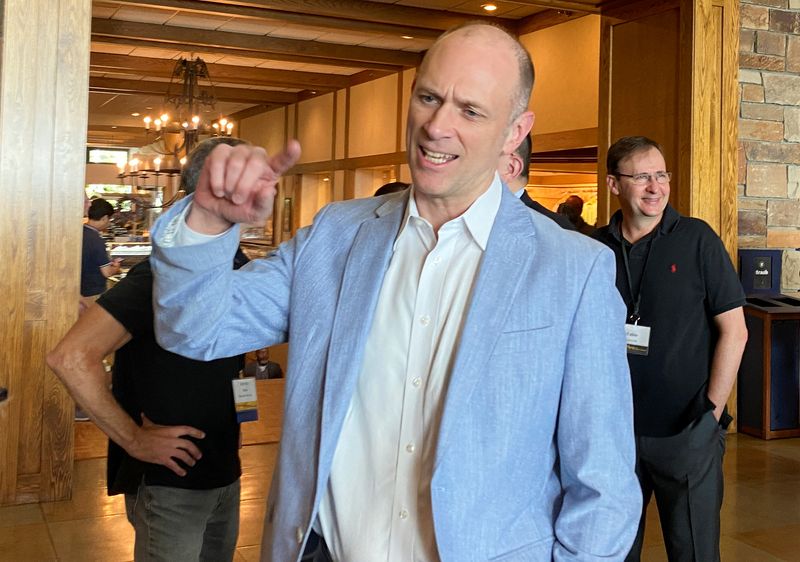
x=407, y=36
x=489, y=7
x=113, y=126
x=135, y=114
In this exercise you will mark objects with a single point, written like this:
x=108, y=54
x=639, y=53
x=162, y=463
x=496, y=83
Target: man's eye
x=471, y=113
x=427, y=98
x=641, y=177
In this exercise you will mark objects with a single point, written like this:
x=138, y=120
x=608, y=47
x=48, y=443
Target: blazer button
x=300, y=535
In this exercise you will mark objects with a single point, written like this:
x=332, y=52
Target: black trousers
x=316, y=550
x=684, y=471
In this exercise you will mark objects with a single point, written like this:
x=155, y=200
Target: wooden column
x=668, y=70
x=43, y=119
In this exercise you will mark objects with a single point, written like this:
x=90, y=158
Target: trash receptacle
x=769, y=376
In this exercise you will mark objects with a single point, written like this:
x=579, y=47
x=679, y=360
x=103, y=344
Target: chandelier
x=173, y=133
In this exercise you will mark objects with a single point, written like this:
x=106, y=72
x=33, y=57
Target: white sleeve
x=177, y=233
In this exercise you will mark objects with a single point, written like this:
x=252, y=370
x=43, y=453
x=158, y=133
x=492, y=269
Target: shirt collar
x=668, y=222
x=478, y=218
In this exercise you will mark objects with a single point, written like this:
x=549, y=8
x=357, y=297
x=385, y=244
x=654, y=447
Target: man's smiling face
x=459, y=116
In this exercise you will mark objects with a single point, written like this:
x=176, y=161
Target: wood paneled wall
x=43, y=118
x=669, y=71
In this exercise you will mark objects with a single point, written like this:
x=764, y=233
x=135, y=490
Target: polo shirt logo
x=673, y=268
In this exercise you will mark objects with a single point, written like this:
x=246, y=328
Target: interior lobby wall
x=566, y=89
x=373, y=123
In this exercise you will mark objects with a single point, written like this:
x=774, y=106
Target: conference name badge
x=637, y=339
x=245, y=399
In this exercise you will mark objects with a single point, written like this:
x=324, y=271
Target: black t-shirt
x=169, y=390
x=93, y=257
x=686, y=278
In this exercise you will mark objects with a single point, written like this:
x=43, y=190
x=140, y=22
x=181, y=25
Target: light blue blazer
x=536, y=448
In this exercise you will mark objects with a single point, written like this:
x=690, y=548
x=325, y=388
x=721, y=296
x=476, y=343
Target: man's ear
x=612, y=184
x=519, y=128
x=514, y=165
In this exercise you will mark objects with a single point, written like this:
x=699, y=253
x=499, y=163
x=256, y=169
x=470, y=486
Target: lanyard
x=637, y=298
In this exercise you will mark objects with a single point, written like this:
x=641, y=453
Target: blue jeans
x=178, y=525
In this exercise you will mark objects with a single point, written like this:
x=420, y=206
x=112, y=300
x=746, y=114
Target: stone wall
x=769, y=131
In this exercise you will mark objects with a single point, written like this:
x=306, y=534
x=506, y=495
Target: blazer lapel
x=363, y=275
x=505, y=264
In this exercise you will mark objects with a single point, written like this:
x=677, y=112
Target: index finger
x=286, y=158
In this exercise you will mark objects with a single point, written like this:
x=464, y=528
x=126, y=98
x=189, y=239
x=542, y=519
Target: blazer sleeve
x=204, y=309
x=602, y=499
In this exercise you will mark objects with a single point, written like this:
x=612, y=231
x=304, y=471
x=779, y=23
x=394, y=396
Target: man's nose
x=440, y=123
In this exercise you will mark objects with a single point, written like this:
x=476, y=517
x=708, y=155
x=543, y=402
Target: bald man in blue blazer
x=457, y=386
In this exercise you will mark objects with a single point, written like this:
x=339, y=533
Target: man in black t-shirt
x=686, y=334
x=174, y=437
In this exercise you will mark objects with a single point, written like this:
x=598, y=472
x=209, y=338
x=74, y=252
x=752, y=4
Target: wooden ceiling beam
x=236, y=95
x=163, y=68
x=373, y=12
x=546, y=19
x=560, y=5
x=201, y=49
x=185, y=37
x=343, y=23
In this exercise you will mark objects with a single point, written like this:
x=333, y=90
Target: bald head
x=498, y=37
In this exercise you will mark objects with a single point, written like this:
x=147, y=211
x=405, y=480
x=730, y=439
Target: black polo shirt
x=686, y=278
x=169, y=390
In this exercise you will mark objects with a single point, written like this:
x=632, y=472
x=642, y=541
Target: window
x=106, y=155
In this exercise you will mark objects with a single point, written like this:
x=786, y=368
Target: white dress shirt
x=378, y=504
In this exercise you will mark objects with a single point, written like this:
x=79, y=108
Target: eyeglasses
x=644, y=179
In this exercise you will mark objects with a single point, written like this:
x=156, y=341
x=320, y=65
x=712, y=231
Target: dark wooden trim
x=113, y=85
x=229, y=73
x=187, y=36
x=546, y=19
x=372, y=161
x=219, y=50
x=343, y=20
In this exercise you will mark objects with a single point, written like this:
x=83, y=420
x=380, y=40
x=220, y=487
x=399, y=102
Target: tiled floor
x=760, y=521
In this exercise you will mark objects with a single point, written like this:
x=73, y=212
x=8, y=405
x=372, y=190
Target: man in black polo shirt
x=686, y=334
x=171, y=420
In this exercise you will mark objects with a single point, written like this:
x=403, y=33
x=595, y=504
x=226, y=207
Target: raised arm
x=78, y=362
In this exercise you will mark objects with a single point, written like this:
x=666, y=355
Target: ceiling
x=263, y=54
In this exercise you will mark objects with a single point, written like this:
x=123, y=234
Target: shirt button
x=437, y=260
x=403, y=514
x=410, y=447
x=416, y=382
x=425, y=320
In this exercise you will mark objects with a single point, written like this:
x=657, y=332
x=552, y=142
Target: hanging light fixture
x=173, y=133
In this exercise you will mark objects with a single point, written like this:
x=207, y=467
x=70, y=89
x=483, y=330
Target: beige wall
x=373, y=122
x=315, y=128
x=567, y=62
x=266, y=129
x=101, y=173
